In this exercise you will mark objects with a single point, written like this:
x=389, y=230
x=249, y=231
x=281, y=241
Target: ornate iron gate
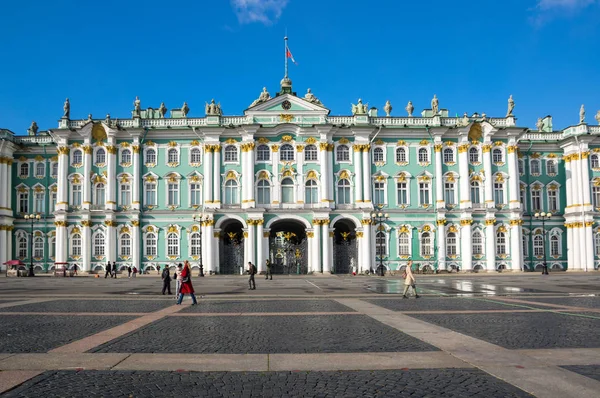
x=345, y=256
x=231, y=254
x=287, y=256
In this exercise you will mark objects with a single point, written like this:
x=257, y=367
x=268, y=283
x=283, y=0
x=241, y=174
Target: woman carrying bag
x=409, y=280
x=186, y=284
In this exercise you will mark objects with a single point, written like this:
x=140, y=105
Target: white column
x=464, y=195
x=246, y=249
x=330, y=196
x=358, y=186
x=9, y=239
x=367, y=183
x=250, y=178
x=577, y=262
x=589, y=241
x=87, y=181
x=576, y=190
x=571, y=249
x=62, y=201
x=585, y=178
x=513, y=178
x=111, y=240
x=9, y=193
x=441, y=244
x=487, y=169
x=111, y=179
x=317, y=246
x=516, y=245
x=439, y=179
x=366, y=246
x=208, y=173
x=3, y=245
x=327, y=248
x=275, y=188
x=252, y=242
x=61, y=241
x=245, y=172
x=569, y=180
x=137, y=180
x=86, y=243
x=326, y=175
x=466, y=248
x=260, y=243
x=265, y=246
x=490, y=245
x=582, y=249
x=4, y=182
x=136, y=250
x=300, y=170
x=217, y=176
x=310, y=235
x=215, y=250
x=208, y=261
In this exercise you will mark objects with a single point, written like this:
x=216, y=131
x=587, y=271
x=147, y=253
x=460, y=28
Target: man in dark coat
x=108, y=270
x=252, y=272
x=166, y=281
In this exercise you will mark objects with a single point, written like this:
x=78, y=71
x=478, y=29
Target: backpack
x=253, y=269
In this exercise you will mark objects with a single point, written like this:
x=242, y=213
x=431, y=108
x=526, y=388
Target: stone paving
x=263, y=306
x=112, y=305
x=592, y=371
x=586, y=302
x=441, y=304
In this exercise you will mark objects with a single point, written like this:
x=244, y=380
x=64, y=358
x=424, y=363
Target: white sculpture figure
x=388, y=108
x=263, y=97
x=540, y=124
x=435, y=105
x=137, y=107
x=359, y=108
x=582, y=114
x=33, y=129
x=310, y=97
x=162, y=110
x=598, y=117
x=465, y=119
x=66, y=109
x=410, y=108
x=185, y=109
x=212, y=108
x=511, y=106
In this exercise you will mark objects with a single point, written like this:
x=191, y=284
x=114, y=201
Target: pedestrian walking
x=186, y=284
x=166, y=280
x=135, y=271
x=108, y=270
x=114, y=273
x=129, y=271
x=409, y=280
x=252, y=272
x=269, y=272
x=177, y=276
x=75, y=270
x=158, y=269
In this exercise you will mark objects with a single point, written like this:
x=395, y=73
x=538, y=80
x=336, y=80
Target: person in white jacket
x=409, y=280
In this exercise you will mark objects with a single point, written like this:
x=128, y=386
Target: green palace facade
x=288, y=182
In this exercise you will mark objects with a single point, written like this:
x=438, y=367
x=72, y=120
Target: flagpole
x=286, y=57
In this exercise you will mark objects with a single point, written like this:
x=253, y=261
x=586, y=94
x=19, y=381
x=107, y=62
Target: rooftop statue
x=359, y=108
x=107, y=119
x=410, y=108
x=66, y=109
x=310, y=97
x=388, y=108
x=598, y=117
x=185, y=109
x=33, y=129
x=89, y=119
x=162, y=110
x=465, y=119
x=263, y=97
x=137, y=107
x=435, y=105
x=511, y=106
x=540, y=124
x=582, y=114
x=213, y=109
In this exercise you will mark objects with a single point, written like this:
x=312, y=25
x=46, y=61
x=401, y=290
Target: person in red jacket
x=186, y=284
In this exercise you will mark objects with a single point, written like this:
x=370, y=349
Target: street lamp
x=379, y=219
x=543, y=217
x=201, y=219
x=32, y=217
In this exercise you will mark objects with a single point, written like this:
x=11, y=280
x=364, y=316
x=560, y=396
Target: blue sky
x=472, y=54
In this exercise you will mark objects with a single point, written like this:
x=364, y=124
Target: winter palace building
x=290, y=183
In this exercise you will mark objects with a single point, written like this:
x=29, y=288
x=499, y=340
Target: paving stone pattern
x=585, y=302
x=524, y=330
x=592, y=371
x=439, y=304
x=23, y=334
x=273, y=305
x=388, y=383
x=266, y=334
x=116, y=305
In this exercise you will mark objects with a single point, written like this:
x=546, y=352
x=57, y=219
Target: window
x=595, y=161
x=195, y=199
x=551, y=168
x=449, y=191
x=554, y=246
x=173, y=194
x=596, y=195
x=24, y=202
x=343, y=194
x=378, y=155
x=402, y=191
x=53, y=198
x=477, y=243
x=51, y=247
x=126, y=156
x=40, y=170
x=403, y=244
x=286, y=153
x=400, y=155
x=423, y=155
x=311, y=192
x=75, y=245
x=263, y=154
x=23, y=247
x=125, y=199
x=76, y=191
x=195, y=244
x=497, y=155
x=151, y=245
x=172, y=156
x=150, y=156
x=380, y=244
x=24, y=170
x=287, y=191
x=379, y=193
x=263, y=192
x=521, y=165
x=424, y=193
x=231, y=154
x=231, y=192
x=54, y=169
x=525, y=246
x=538, y=246
x=100, y=156
x=125, y=245
x=597, y=243
x=38, y=202
x=473, y=155
x=499, y=193
x=426, y=244
x=172, y=245
x=536, y=200
x=535, y=167
x=500, y=244
x=451, y=244
x=38, y=247
x=195, y=155
x=448, y=155
x=475, y=193
x=150, y=188
x=99, y=195
x=77, y=157
x=522, y=195
x=99, y=245
x=343, y=153
x=553, y=200
x=310, y=153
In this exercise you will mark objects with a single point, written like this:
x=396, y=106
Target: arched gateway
x=345, y=253
x=231, y=247
x=288, y=247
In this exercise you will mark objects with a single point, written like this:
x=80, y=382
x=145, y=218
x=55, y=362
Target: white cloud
x=545, y=5
x=547, y=10
x=262, y=11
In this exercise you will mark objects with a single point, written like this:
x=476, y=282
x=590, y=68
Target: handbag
x=404, y=275
x=186, y=279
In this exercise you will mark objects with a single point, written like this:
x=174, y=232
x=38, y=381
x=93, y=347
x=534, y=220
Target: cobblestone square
x=585, y=302
x=270, y=305
x=592, y=371
x=440, y=304
x=108, y=305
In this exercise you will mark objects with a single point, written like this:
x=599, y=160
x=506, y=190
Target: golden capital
x=490, y=222
x=359, y=234
x=135, y=223
x=465, y=223
x=63, y=150
x=87, y=149
x=310, y=234
x=136, y=148
x=60, y=223
x=437, y=147
x=513, y=149
x=463, y=148
x=111, y=149
x=486, y=148
x=441, y=222
x=86, y=223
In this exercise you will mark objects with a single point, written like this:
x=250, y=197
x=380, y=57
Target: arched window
x=263, y=153
x=497, y=155
x=231, y=192
x=378, y=155
x=23, y=202
x=423, y=155
x=99, y=244
x=125, y=245
x=310, y=153
x=286, y=153
x=22, y=246
x=380, y=244
x=125, y=156
x=172, y=155
x=151, y=245
x=555, y=245
x=343, y=192
x=475, y=193
x=51, y=247
x=500, y=243
x=448, y=155
x=195, y=155
x=40, y=169
x=403, y=244
x=263, y=192
x=596, y=195
x=311, y=193
x=99, y=194
x=38, y=247
x=39, y=200
x=342, y=153
x=477, y=243
x=551, y=168
x=473, y=155
x=535, y=167
x=287, y=191
x=77, y=157
x=100, y=156
x=231, y=154
x=538, y=246
x=172, y=245
x=76, y=245
x=401, y=155
x=426, y=244
x=536, y=199
x=595, y=161
x=24, y=170
x=451, y=244
x=195, y=244
x=150, y=156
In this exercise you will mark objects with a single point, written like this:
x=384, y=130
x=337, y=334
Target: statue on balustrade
x=465, y=119
x=540, y=125
x=582, y=114
x=33, y=129
x=66, y=109
x=162, y=110
x=185, y=109
x=388, y=108
x=263, y=97
x=435, y=105
x=213, y=109
x=359, y=108
x=310, y=97
x=410, y=108
x=511, y=106
x=137, y=107
x=598, y=117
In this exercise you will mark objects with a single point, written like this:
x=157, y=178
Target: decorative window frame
x=387, y=232
x=478, y=229
x=455, y=229
x=124, y=179
x=531, y=161
x=37, y=236
x=73, y=230
x=23, y=189
x=72, y=163
x=236, y=146
x=344, y=175
x=504, y=229
x=551, y=159
x=193, y=230
x=35, y=169
x=500, y=177
x=173, y=229
x=52, y=163
x=268, y=150
x=98, y=229
x=98, y=147
x=597, y=157
x=501, y=146
x=147, y=146
x=37, y=189
x=404, y=229
x=235, y=176
x=526, y=242
x=380, y=177
x=197, y=179
x=541, y=233
x=147, y=230
x=449, y=145
x=383, y=148
x=122, y=230
x=428, y=178
x=263, y=175
x=339, y=144
x=428, y=227
x=23, y=161
x=479, y=154
x=172, y=146
x=402, y=145
x=555, y=232
x=477, y=178
x=292, y=151
x=451, y=177
x=21, y=234
x=312, y=175
x=150, y=177
x=122, y=149
x=170, y=178
x=521, y=167
x=51, y=245
x=424, y=145
x=596, y=242
x=536, y=186
x=553, y=186
x=316, y=150
x=75, y=179
x=195, y=146
x=405, y=177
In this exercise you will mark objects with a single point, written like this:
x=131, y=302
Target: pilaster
x=441, y=243
x=87, y=181
x=216, y=198
x=111, y=238
x=516, y=244
x=366, y=246
x=326, y=174
x=439, y=180
x=111, y=179
x=366, y=175
x=137, y=179
x=589, y=242
x=208, y=173
x=86, y=245
x=251, y=241
x=327, y=247
x=487, y=170
x=330, y=195
x=490, y=244
x=5, y=181
x=513, y=179
x=208, y=261
x=62, y=201
x=358, y=187
x=214, y=266
x=464, y=193
x=61, y=239
x=136, y=250
x=260, y=245
x=3, y=246
x=317, y=226
x=247, y=255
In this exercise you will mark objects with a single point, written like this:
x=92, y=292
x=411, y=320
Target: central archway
x=345, y=247
x=231, y=247
x=288, y=247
